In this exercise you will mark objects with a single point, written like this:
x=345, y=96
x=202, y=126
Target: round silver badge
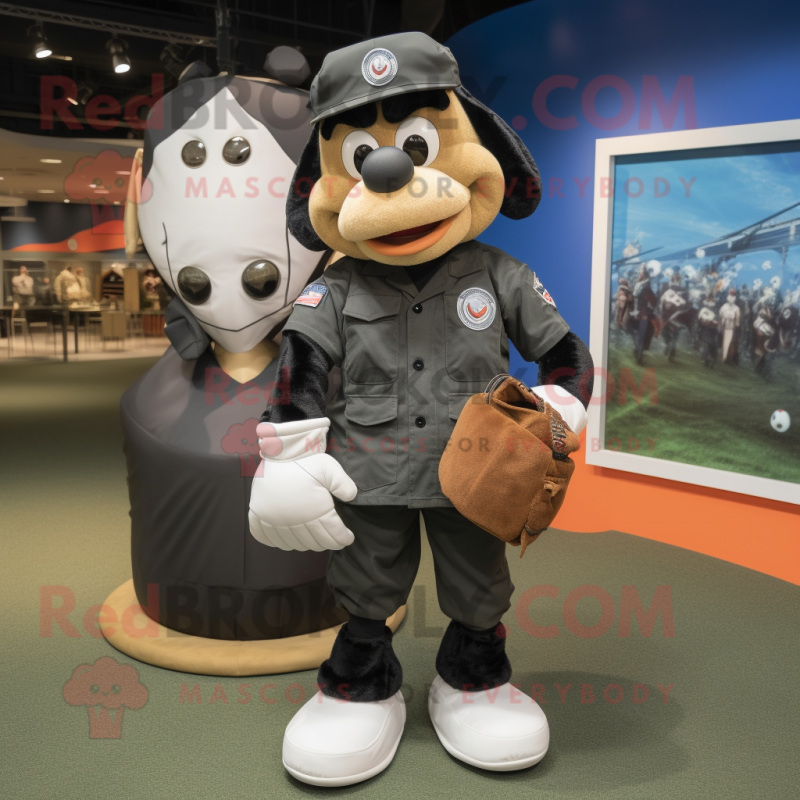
x=476, y=308
x=379, y=66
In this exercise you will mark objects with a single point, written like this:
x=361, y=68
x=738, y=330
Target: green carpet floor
x=729, y=728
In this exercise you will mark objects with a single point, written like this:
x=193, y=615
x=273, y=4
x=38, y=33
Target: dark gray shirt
x=411, y=358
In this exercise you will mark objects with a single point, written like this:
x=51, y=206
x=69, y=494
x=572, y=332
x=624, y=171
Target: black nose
x=387, y=169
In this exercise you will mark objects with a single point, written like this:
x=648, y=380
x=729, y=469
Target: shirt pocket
x=455, y=405
x=472, y=356
x=371, y=451
x=456, y=402
x=371, y=338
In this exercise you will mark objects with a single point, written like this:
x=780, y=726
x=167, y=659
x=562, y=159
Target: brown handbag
x=507, y=466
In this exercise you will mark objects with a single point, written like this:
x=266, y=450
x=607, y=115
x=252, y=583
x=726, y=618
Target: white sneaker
x=332, y=742
x=499, y=729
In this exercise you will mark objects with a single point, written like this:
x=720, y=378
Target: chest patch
x=539, y=287
x=476, y=309
x=312, y=295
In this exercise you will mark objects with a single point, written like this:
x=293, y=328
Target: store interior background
x=63, y=204
x=735, y=62
x=660, y=66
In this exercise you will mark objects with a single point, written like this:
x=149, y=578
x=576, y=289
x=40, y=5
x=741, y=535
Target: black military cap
x=368, y=71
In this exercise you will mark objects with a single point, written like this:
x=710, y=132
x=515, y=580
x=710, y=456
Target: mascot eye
x=362, y=151
x=193, y=153
x=417, y=148
x=357, y=145
x=195, y=285
x=236, y=150
x=260, y=279
x=419, y=138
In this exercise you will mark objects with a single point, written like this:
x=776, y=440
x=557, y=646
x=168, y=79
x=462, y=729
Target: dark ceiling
x=315, y=27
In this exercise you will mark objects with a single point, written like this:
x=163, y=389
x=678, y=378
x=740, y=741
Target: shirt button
x=418, y=364
x=417, y=309
x=420, y=422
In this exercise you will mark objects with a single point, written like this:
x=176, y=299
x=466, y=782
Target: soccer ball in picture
x=780, y=420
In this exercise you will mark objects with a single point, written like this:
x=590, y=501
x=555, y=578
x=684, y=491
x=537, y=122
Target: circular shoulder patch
x=476, y=308
x=379, y=66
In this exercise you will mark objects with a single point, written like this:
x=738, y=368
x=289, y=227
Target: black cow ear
x=522, y=179
x=308, y=172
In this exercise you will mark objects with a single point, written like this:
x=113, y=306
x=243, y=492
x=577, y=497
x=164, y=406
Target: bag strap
x=494, y=384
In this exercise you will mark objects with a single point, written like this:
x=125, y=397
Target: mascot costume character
x=407, y=169
x=208, y=197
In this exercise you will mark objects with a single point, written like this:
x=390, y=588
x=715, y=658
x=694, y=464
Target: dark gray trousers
x=373, y=576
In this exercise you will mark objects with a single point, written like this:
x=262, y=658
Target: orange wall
x=760, y=534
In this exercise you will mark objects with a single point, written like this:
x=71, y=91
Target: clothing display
x=66, y=287
x=22, y=284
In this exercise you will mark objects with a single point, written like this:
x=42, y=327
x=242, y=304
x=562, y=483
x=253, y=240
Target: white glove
x=570, y=408
x=291, y=506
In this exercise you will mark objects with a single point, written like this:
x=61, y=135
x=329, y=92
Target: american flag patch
x=312, y=295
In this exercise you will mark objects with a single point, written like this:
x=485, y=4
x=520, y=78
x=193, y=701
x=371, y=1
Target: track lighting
x=119, y=55
x=41, y=48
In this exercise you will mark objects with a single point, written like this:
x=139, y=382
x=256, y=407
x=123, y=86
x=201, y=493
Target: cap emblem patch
x=379, y=66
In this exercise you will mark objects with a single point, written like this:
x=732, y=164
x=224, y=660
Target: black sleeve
x=304, y=366
x=567, y=362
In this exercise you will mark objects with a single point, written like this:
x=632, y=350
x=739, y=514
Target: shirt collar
x=460, y=261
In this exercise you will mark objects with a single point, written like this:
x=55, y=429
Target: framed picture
x=695, y=327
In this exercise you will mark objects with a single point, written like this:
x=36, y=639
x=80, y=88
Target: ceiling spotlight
x=119, y=54
x=50, y=160
x=41, y=49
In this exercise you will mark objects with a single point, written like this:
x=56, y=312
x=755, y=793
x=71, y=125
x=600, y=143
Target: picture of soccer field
x=716, y=418
x=705, y=309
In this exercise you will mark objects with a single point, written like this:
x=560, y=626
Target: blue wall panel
x=740, y=61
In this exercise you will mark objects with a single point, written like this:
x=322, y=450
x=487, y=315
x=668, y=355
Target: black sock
x=363, y=628
x=361, y=670
x=471, y=660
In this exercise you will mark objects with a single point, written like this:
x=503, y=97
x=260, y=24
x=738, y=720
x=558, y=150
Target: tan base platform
x=146, y=640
